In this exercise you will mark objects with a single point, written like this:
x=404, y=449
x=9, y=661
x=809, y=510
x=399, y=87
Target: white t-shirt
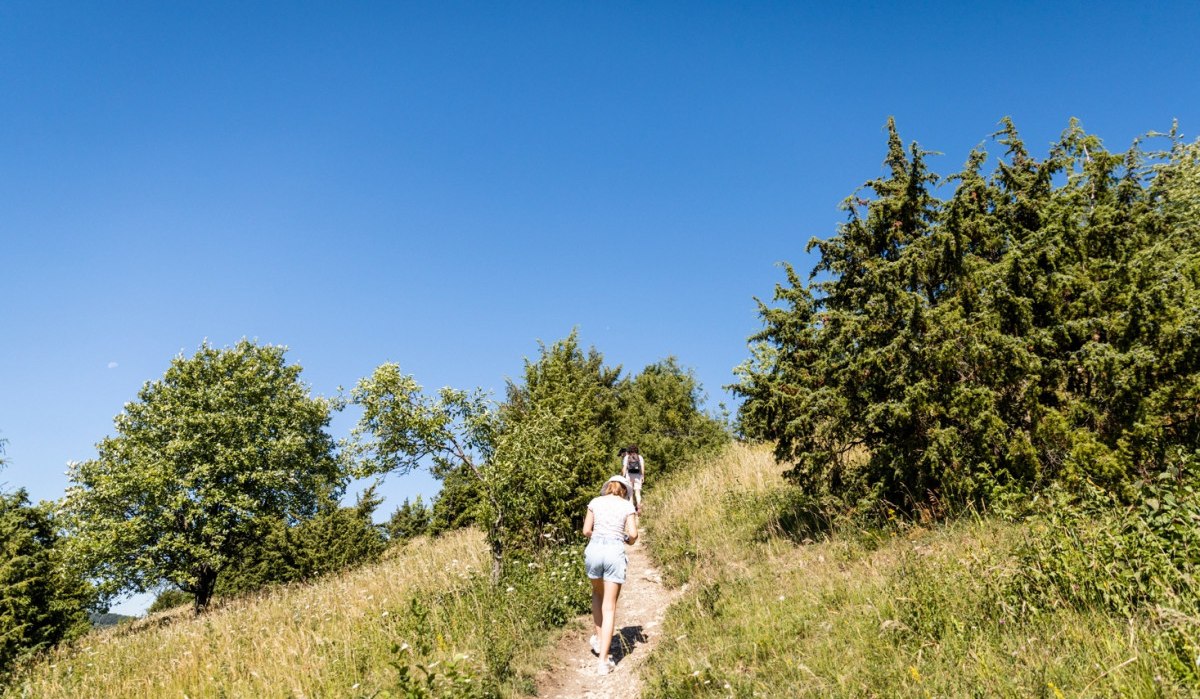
x=609, y=513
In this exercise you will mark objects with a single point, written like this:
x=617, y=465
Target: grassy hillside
x=768, y=612
x=425, y=619
x=912, y=611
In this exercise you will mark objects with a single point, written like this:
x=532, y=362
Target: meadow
x=426, y=621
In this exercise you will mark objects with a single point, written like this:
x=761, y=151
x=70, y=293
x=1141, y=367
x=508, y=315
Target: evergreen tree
x=41, y=602
x=410, y=520
x=335, y=538
x=1036, y=326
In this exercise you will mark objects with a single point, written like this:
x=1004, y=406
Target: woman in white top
x=611, y=522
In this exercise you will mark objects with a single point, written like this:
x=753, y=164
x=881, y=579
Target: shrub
x=1137, y=561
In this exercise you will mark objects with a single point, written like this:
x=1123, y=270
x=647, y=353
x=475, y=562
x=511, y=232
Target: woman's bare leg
x=597, y=610
x=612, y=591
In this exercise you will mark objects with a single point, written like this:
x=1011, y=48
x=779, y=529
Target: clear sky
x=444, y=184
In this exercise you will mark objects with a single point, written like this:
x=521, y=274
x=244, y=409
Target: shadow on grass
x=790, y=514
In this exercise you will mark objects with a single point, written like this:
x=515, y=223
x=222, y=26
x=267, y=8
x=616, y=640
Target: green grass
x=912, y=611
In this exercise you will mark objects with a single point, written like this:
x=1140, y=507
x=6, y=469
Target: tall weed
x=1137, y=562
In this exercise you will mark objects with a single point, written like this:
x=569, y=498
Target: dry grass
x=336, y=638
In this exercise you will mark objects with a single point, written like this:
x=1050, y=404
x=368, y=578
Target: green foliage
x=661, y=410
x=524, y=470
x=228, y=442
x=170, y=599
x=906, y=611
x=335, y=538
x=411, y=519
x=536, y=593
x=454, y=432
x=1038, y=325
x=558, y=430
x=1140, y=561
x=560, y=427
x=41, y=602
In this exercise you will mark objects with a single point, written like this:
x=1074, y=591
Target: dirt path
x=644, y=601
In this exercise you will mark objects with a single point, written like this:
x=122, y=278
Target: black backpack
x=635, y=463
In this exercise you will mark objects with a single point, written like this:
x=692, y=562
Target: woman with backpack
x=611, y=522
x=633, y=467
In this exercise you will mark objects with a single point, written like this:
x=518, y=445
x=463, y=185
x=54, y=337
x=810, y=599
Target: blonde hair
x=614, y=488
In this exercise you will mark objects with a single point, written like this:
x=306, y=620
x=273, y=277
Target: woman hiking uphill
x=611, y=522
x=633, y=467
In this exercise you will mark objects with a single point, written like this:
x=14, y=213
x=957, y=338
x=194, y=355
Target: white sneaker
x=595, y=644
x=604, y=667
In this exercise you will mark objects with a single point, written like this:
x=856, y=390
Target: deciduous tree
x=202, y=462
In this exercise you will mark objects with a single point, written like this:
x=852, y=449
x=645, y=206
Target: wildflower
x=510, y=588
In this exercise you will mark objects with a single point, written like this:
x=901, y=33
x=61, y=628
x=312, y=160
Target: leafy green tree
x=170, y=598
x=457, y=503
x=574, y=395
x=661, y=410
x=522, y=470
x=41, y=602
x=562, y=421
x=203, y=462
x=402, y=428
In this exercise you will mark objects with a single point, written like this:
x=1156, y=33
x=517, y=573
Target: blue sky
x=445, y=184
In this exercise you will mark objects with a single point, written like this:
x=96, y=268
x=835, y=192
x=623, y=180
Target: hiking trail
x=571, y=672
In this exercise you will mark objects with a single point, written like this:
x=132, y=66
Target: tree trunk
x=497, y=545
x=206, y=583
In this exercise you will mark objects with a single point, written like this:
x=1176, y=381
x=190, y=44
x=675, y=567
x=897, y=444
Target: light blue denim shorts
x=605, y=559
